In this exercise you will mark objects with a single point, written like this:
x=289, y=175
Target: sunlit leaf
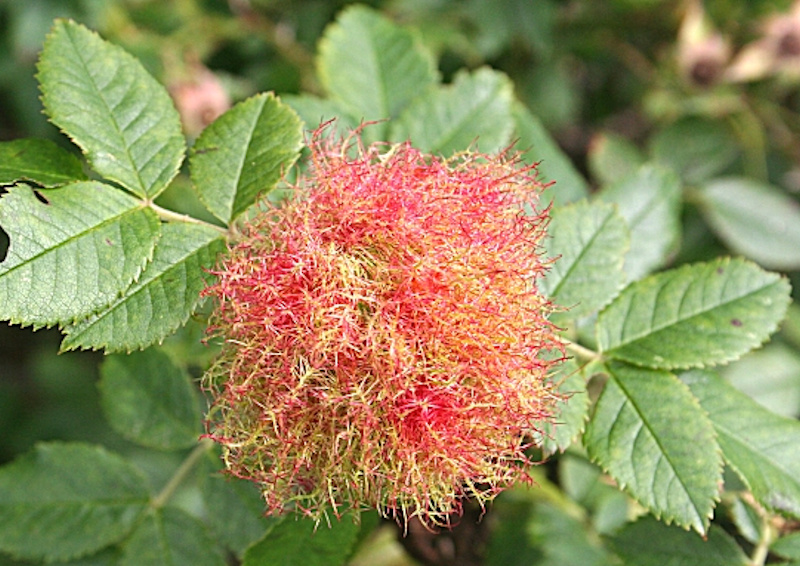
x=473, y=112
x=161, y=300
x=73, y=250
x=590, y=241
x=701, y=314
x=763, y=448
x=105, y=101
x=650, y=201
x=243, y=153
x=650, y=434
x=571, y=411
x=372, y=67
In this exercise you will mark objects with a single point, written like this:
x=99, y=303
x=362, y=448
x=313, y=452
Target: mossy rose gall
x=384, y=334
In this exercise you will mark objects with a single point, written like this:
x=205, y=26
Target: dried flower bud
x=383, y=334
x=776, y=52
x=703, y=53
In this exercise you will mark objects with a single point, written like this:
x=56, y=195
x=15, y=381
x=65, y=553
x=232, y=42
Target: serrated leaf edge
x=705, y=521
x=724, y=261
x=66, y=346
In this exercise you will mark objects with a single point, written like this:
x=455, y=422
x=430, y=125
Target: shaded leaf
x=105, y=101
x=612, y=157
x=372, y=67
x=770, y=376
x=314, y=111
x=161, y=300
x=149, y=400
x=695, y=148
x=585, y=483
x=754, y=219
x=39, y=161
x=72, y=254
x=541, y=535
x=590, y=241
x=701, y=314
x=650, y=543
x=570, y=412
x=650, y=434
x=299, y=542
x=650, y=201
x=243, y=154
x=63, y=501
x=763, y=448
x=787, y=546
x=475, y=111
x=170, y=536
x=235, y=511
x=553, y=164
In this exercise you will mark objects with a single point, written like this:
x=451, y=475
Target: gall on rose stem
x=384, y=336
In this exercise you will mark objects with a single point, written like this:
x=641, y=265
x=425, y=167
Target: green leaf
x=235, y=511
x=169, y=536
x=73, y=250
x=243, y=154
x=540, y=534
x=314, y=111
x=150, y=400
x=701, y=314
x=105, y=101
x=612, y=158
x=590, y=241
x=39, y=161
x=754, y=219
x=650, y=543
x=763, y=448
x=473, y=111
x=696, y=148
x=787, y=546
x=372, y=67
x=585, y=483
x=650, y=201
x=770, y=376
x=571, y=411
x=301, y=542
x=650, y=434
x=63, y=501
x=553, y=164
x=163, y=298
x=108, y=557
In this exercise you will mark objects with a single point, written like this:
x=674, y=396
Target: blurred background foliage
x=711, y=90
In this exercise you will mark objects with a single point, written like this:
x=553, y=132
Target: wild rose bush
x=414, y=320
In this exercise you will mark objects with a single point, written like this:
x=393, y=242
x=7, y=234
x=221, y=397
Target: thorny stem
x=180, y=474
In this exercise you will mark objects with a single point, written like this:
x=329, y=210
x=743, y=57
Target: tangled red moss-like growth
x=383, y=334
